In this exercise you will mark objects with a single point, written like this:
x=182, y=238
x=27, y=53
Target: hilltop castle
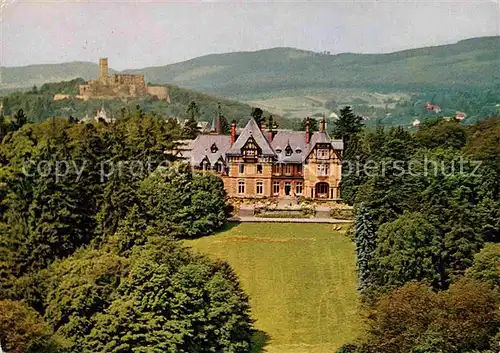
x=119, y=86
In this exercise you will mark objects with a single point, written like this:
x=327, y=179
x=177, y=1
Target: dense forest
x=91, y=217
x=426, y=232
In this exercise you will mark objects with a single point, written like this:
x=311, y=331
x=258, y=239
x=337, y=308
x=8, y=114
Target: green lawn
x=301, y=281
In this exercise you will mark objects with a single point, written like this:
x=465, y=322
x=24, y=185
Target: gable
x=252, y=133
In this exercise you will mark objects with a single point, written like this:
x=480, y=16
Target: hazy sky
x=135, y=34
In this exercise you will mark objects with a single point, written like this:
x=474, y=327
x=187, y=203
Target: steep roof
x=296, y=140
x=251, y=130
x=201, y=148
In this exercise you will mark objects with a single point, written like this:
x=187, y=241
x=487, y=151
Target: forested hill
x=468, y=63
x=38, y=104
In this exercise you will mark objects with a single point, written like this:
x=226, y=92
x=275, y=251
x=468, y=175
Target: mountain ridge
x=472, y=62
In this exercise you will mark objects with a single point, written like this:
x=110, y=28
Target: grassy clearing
x=301, y=281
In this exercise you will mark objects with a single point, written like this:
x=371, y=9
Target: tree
x=452, y=201
x=225, y=127
x=443, y=134
x=193, y=111
x=365, y=240
x=191, y=129
x=4, y=128
x=77, y=289
x=257, y=115
x=23, y=330
x=353, y=177
x=172, y=301
x=408, y=248
x=486, y=267
x=19, y=120
x=386, y=189
x=184, y=204
x=347, y=126
x=415, y=319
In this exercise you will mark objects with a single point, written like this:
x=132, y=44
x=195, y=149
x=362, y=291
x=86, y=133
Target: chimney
x=233, y=133
x=308, y=124
x=323, y=125
x=270, y=134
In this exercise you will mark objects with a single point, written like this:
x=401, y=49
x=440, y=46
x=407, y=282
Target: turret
x=103, y=70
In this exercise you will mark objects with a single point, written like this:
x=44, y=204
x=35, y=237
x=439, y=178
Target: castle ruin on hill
x=121, y=86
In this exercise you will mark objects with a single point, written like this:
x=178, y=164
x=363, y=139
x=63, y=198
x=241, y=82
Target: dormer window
x=214, y=148
x=278, y=150
x=298, y=150
x=288, y=151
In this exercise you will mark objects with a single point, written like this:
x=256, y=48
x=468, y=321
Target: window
x=218, y=167
x=241, y=187
x=298, y=151
x=323, y=153
x=276, y=169
x=276, y=187
x=288, y=169
x=299, y=169
x=214, y=148
x=278, y=150
x=298, y=188
x=259, y=168
x=260, y=188
x=322, y=189
x=323, y=170
x=241, y=168
x=288, y=151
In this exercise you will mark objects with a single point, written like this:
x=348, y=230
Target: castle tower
x=103, y=70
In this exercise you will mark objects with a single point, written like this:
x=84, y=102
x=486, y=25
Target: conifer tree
x=364, y=237
x=347, y=126
x=191, y=129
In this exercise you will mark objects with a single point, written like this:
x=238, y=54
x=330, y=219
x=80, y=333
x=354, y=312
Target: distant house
x=203, y=126
x=432, y=107
x=101, y=115
x=460, y=116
